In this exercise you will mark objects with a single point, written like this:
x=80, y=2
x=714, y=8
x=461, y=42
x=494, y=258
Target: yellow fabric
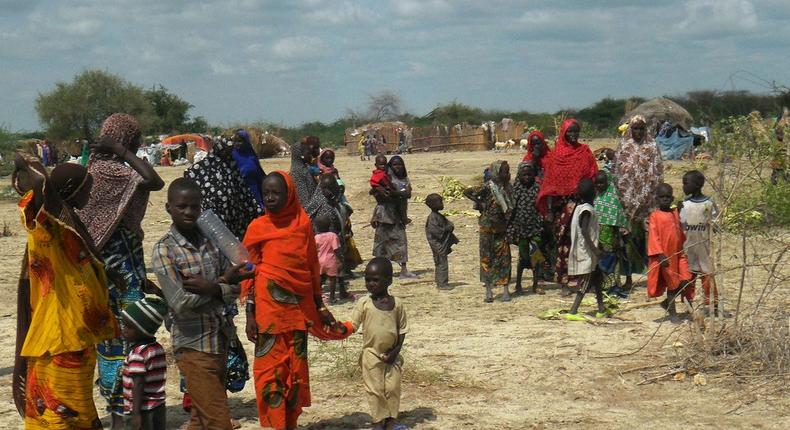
x=59, y=392
x=68, y=288
x=380, y=333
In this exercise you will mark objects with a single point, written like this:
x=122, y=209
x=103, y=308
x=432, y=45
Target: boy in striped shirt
x=145, y=366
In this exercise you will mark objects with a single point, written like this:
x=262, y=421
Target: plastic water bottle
x=215, y=230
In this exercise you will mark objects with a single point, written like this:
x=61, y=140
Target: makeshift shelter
x=200, y=141
x=390, y=131
x=658, y=110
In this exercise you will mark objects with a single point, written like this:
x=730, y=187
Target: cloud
x=337, y=13
x=299, y=47
x=717, y=17
x=420, y=8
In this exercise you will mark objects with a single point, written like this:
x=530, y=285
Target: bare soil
x=469, y=364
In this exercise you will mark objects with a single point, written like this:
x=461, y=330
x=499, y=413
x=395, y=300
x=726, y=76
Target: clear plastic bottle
x=215, y=230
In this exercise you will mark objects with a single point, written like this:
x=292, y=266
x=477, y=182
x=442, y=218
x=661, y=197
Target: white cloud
x=418, y=8
x=298, y=47
x=713, y=17
x=342, y=13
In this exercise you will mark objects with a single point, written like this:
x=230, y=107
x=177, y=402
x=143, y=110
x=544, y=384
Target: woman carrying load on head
x=113, y=217
x=568, y=163
x=638, y=172
x=63, y=309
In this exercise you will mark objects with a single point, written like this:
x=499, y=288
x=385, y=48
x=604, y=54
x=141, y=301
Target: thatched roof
x=661, y=109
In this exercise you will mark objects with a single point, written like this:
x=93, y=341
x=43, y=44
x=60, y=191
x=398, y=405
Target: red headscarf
x=291, y=259
x=531, y=148
x=566, y=165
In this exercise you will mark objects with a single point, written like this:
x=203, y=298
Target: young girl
x=495, y=203
x=326, y=162
x=63, y=302
x=328, y=246
x=283, y=303
x=526, y=225
x=383, y=319
x=613, y=228
x=389, y=217
x=667, y=265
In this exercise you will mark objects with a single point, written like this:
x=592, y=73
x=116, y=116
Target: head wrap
x=398, y=158
x=291, y=263
x=305, y=182
x=224, y=190
x=638, y=171
x=323, y=167
x=249, y=166
x=115, y=197
x=531, y=148
x=566, y=165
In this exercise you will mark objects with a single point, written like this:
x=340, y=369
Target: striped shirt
x=199, y=322
x=147, y=359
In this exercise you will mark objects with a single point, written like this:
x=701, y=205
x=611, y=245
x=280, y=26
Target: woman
x=537, y=151
x=638, y=172
x=248, y=164
x=389, y=217
x=63, y=309
x=495, y=202
x=566, y=165
x=113, y=217
x=302, y=155
x=223, y=189
x=283, y=303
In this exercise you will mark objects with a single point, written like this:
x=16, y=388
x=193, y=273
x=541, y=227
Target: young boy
x=145, y=367
x=380, y=177
x=667, y=266
x=439, y=232
x=584, y=253
x=696, y=215
x=383, y=318
x=197, y=281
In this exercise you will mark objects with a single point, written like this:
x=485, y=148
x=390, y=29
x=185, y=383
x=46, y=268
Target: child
x=380, y=177
x=613, y=228
x=197, y=282
x=526, y=225
x=696, y=215
x=495, y=203
x=383, y=319
x=667, y=266
x=609, y=160
x=145, y=367
x=328, y=246
x=584, y=253
x=439, y=232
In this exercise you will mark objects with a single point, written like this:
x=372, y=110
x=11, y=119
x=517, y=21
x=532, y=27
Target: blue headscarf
x=249, y=166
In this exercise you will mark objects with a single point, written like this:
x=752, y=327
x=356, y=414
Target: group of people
x=84, y=298
x=575, y=224
x=568, y=219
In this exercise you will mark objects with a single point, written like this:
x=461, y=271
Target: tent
x=658, y=110
x=200, y=141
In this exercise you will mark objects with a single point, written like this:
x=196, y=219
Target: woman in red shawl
x=284, y=303
x=566, y=165
x=537, y=151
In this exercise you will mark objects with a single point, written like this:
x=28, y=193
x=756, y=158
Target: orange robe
x=665, y=236
x=287, y=279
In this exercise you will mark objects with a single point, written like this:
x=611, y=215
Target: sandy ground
x=468, y=364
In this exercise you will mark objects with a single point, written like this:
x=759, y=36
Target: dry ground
x=469, y=364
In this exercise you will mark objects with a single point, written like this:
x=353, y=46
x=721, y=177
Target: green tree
x=76, y=110
x=171, y=111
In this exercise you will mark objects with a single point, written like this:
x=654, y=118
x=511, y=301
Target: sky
x=295, y=61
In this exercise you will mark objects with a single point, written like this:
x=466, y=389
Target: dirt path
x=468, y=364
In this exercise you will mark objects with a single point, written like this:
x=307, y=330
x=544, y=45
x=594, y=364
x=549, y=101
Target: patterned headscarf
x=115, y=197
x=638, y=171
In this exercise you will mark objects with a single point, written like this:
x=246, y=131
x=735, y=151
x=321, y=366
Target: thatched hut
x=658, y=110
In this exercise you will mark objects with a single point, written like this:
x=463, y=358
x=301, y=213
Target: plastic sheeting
x=675, y=145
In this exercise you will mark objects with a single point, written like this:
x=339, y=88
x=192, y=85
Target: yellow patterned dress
x=70, y=314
